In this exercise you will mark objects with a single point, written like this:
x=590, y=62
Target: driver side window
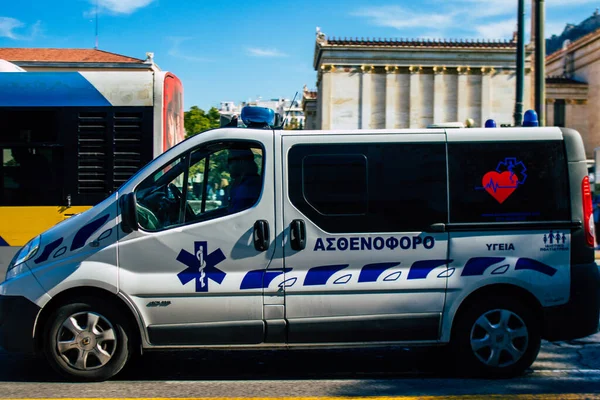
x=159, y=198
x=201, y=185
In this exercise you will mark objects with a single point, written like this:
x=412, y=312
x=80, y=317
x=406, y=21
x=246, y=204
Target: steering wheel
x=178, y=195
x=176, y=192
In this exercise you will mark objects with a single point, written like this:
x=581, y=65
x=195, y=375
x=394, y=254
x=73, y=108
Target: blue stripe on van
x=477, y=265
x=260, y=279
x=3, y=242
x=48, y=89
x=527, y=263
x=420, y=269
x=320, y=275
x=48, y=250
x=87, y=231
x=372, y=272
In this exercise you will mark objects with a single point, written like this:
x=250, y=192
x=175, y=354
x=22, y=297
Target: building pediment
x=406, y=52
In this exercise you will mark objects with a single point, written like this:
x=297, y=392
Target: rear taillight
x=588, y=212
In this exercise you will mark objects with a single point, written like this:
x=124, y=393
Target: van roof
x=453, y=134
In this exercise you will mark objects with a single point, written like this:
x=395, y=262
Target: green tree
x=197, y=120
x=292, y=125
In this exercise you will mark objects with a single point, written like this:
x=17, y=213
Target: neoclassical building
x=388, y=83
x=309, y=106
x=573, y=88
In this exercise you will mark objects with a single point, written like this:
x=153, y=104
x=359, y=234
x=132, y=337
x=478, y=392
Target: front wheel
x=86, y=341
x=499, y=337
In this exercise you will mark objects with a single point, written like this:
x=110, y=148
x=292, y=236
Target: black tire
x=99, y=350
x=515, y=347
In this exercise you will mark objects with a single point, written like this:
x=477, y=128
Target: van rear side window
x=508, y=182
x=370, y=187
x=336, y=184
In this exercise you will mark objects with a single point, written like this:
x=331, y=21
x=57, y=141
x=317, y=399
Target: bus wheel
x=496, y=338
x=86, y=341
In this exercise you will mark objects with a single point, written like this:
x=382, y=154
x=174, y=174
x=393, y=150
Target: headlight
x=26, y=252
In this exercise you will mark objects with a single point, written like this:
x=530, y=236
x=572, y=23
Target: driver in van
x=247, y=183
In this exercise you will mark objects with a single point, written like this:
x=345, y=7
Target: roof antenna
x=288, y=111
x=96, y=47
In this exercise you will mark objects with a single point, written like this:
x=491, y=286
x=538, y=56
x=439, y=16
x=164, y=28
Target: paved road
x=561, y=368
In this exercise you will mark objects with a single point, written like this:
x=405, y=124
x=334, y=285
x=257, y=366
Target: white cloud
x=398, y=17
x=117, y=6
x=7, y=27
x=489, y=8
x=570, y=3
x=257, y=52
x=497, y=30
x=473, y=19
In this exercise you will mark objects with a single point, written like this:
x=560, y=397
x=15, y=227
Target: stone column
x=327, y=70
x=486, y=94
x=570, y=108
x=392, y=98
x=366, y=89
x=439, y=95
x=319, y=107
x=415, y=97
x=550, y=112
x=462, y=94
x=378, y=98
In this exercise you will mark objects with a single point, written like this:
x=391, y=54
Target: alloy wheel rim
x=86, y=341
x=499, y=338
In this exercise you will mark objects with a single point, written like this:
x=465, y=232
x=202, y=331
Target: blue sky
x=239, y=50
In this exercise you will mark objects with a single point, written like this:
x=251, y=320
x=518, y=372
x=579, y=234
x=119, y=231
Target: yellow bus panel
x=18, y=225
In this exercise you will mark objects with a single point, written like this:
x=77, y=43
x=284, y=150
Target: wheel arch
x=66, y=297
x=502, y=289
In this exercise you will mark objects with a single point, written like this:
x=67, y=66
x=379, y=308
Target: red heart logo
x=500, y=185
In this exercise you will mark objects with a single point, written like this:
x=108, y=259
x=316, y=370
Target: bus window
x=29, y=126
x=30, y=176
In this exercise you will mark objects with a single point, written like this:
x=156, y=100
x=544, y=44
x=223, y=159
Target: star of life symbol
x=201, y=266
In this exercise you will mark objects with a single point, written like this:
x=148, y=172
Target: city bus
x=69, y=139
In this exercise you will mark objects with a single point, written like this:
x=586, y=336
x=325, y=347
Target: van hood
x=77, y=233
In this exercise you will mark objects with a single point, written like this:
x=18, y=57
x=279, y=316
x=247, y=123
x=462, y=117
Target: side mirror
x=129, y=222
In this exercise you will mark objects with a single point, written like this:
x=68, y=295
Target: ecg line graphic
x=495, y=186
x=516, y=168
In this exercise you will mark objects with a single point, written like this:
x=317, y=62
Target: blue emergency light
x=490, y=123
x=530, y=118
x=258, y=117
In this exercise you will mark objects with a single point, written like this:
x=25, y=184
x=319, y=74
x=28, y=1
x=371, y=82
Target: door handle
x=261, y=235
x=298, y=235
x=434, y=228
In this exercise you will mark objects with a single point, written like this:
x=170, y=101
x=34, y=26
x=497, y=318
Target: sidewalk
x=580, y=354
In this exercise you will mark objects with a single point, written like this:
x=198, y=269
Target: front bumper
x=17, y=319
x=580, y=317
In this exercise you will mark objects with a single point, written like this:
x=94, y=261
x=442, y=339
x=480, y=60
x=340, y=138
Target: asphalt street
x=562, y=368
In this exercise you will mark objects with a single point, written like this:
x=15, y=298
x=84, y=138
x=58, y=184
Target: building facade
x=573, y=88
x=309, y=107
x=383, y=83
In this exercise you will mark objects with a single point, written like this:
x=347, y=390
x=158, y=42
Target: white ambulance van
x=479, y=239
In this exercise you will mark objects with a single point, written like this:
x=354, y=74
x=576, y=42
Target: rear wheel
x=87, y=341
x=499, y=337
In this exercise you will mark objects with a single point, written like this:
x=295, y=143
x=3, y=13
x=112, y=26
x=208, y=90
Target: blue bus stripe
x=48, y=89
